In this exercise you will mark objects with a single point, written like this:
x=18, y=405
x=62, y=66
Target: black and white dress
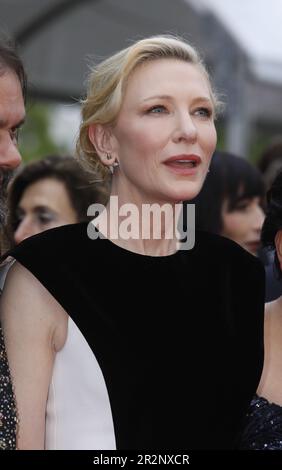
x=161, y=353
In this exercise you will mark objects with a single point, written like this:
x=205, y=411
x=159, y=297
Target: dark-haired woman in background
x=231, y=200
x=231, y=204
x=270, y=164
x=264, y=421
x=49, y=193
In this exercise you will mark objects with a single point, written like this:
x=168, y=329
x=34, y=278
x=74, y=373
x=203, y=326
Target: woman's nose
x=184, y=129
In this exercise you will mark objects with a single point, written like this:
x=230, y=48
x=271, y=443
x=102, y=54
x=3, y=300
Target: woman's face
x=243, y=224
x=164, y=136
x=44, y=204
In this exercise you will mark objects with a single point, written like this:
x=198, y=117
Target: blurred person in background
x=270, y=161
x=270, y=164
x=263, y=429
x=231, y=201
x=231, y=204
x=49, y=193
x=12, y=115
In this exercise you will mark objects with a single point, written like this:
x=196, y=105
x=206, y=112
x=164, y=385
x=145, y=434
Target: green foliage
x=35, y=140
x=263, y=136
x=220, y=135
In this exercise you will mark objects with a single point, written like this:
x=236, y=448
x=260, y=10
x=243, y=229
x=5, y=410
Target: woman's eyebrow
x=168, y=97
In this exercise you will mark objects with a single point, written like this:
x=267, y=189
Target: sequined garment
x=263, y=430
x=8, y=415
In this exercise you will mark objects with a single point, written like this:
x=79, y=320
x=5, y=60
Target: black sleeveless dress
x=179, y=338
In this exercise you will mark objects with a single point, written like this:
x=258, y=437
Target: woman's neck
x=149, y=228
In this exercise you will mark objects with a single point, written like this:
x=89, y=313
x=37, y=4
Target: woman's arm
x=35, y=327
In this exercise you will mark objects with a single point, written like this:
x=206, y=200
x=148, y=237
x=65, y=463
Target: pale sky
x=64, y=125
x=256, y=24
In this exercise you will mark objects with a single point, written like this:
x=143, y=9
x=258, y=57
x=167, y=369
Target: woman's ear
x=278, y=246
x=102, y=139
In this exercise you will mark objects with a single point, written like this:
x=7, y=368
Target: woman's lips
x=182, y=169
x=183, y=164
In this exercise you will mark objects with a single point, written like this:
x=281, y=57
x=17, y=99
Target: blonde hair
x=107, y=82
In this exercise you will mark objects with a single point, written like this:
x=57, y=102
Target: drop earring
x=115, y=163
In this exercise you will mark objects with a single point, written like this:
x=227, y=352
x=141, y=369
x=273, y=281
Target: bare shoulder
x=269, y=307
x=35, y=327
x=271, y=381
x=273, y=319
x=28, y=303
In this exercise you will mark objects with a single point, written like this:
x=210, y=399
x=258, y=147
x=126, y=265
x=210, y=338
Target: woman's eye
x=45, y=218
x=242, y=206
x=204, y=112
x=158, y=109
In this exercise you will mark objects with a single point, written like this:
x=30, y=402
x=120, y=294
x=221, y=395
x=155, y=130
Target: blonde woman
x=138, y=340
